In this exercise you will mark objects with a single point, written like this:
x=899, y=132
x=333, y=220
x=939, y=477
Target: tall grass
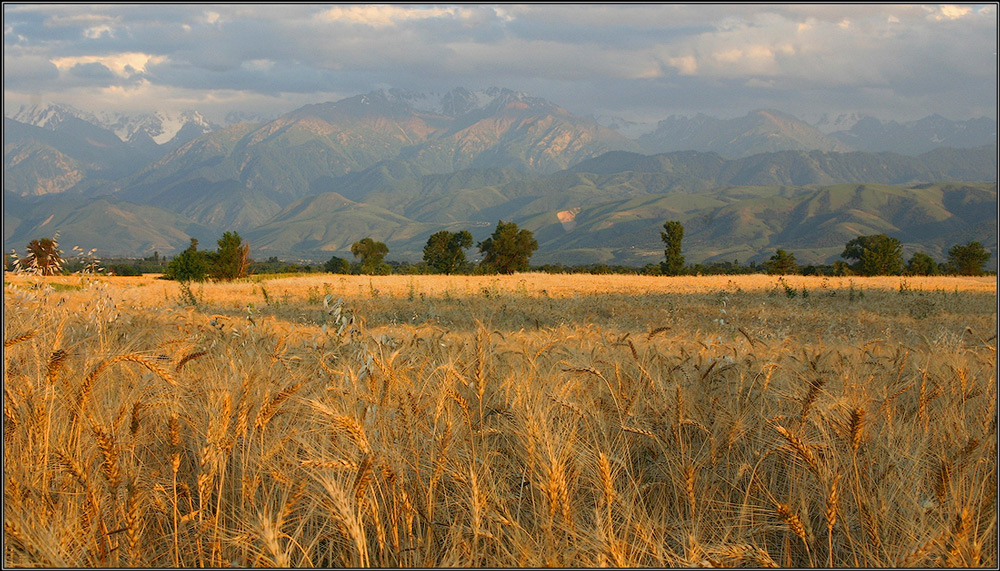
x=500, y=422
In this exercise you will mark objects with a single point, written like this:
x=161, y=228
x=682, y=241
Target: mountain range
x=398, y=165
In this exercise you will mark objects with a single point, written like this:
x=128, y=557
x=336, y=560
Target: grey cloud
x=604, y=57
x=26, y=70
x=93, y=71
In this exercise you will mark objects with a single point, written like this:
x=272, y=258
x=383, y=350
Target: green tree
x=191, y=264
x=968, y=259
x=231, y=260
x=337, y=265
x=875, y=255
x=371, y=253
x=508, y=249
x=842, y=268
x=444, y=251
x=782, y=263
x=921, y=264
x=672, y=236
x=44, y=256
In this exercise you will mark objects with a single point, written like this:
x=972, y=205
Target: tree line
x=508, y=250
x=871, y=255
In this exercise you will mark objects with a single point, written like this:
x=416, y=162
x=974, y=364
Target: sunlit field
x=524, y=420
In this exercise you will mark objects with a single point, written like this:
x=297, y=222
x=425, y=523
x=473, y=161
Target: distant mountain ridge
x=398, y=164
x=757, y=132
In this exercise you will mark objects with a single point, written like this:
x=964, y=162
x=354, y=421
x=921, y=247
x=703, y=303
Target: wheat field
x=526, y=420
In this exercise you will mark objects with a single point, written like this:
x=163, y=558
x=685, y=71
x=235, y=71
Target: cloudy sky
x=641, y=62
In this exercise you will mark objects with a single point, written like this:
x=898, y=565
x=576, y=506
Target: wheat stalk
x=960, y=539
x=607, y=482
x=110, y=465
x=88, y=381
x=915, y=557
x=942, y=480
x=10, y=419
x=270, y=532
x=361, y=479
x=922, y=403
x=354, y=431
x=815, y=386
x=737, y=556
x=793, y=522
x=832, y=509
x=10, y=342
x=189, y=357
x=133, y=525
x=56, y=361
x=268, y=411
x=856, y=428
x=136, y=417
x=653, y=332
x=338, y=463
x=641, y=431
x=69, y=465
x=243, y=410
x=558, y=491
x=801, y=448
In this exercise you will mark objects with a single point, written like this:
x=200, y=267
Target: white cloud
x=98, y=31
x=686, y=65
x=951, y=12
x=124, y=64
x=383, y=15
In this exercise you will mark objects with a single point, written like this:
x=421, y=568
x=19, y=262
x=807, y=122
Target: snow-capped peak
x=49, y=115
x=160, y=126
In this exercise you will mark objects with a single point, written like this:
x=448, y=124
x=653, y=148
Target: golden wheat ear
x=11, y=341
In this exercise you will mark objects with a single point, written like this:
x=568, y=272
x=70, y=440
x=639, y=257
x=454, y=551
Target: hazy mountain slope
x=303, y=151
x=761, y=131
x=330, y=223
x=114, y=227
x=915, y=137
x=752, y=222
x=806, y=167
x=45, y=161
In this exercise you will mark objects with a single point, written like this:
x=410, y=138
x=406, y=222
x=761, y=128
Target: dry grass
x=516, y=421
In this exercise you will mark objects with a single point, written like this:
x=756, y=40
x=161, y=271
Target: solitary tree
x=781, y=263
x=921, y=264
x=508, y=249
x=44, y=256
x=189, y=265
x=445, y=251
x=876, y=255
x=371, y=254
x=672, y=235
x=231, y=260
x=968, y=259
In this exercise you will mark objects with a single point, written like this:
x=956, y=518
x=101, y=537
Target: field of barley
x=525, y=420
